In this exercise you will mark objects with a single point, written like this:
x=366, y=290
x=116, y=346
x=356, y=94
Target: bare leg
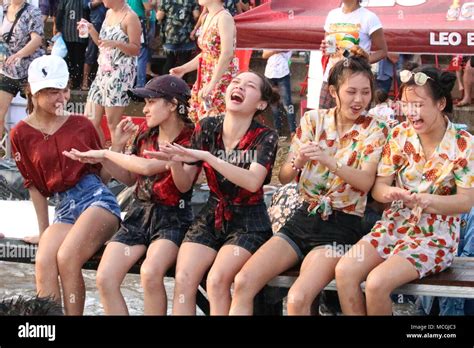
x=46, y=265
x=5, y=101
x=85, y=76
x=114, y=115
x=161, y=255
x=116, y=261
x=95, y=112
x=229, y=261
x=273, y=257
x=316, y=272
x=381, y=281
x=468, y=80
x=93, y=228
x=193, y=262
x=351, y=272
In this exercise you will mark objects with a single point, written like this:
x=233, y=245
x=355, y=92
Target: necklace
x=46, y=135
x=210, y=22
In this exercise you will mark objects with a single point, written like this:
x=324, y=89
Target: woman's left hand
x=13, y=59
x=318, y=154
x=421, y=200
x=91, y=156
x=175, y=152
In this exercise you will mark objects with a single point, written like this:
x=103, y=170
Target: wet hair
x=380, y=96
x=268, y=93
x=30, y=306
x=439, y=85
x=355, y=61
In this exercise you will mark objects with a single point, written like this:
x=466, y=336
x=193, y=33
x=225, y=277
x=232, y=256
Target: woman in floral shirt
x=237, y=154
x=24, y=46
x=215, y=64
x=337, y=152
x=432, y=164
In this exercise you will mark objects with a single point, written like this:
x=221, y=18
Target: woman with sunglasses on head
x=237, y=154
x=160, y=212
x=432, y=164
x=336, y=153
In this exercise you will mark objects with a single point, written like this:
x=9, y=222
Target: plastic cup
x=331, y=46
x=83, y=30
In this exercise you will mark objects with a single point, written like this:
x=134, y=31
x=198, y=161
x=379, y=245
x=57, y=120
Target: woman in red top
x=82, y=198
x=237, y=154
x=160, y=213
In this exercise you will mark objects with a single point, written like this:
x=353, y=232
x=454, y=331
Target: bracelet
x=293, y=166
x=338, y=166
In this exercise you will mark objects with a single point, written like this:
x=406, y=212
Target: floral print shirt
x=29, y=22
x=363, y=143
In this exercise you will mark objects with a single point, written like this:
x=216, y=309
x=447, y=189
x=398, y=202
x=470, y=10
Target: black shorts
x=249, y=228
x=12, y=86
x=146, y=222
x=304, y=232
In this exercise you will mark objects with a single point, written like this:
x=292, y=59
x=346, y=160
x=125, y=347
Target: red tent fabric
x=410, y=26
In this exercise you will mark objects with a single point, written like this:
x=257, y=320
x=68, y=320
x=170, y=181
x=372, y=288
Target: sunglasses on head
x=420, y=78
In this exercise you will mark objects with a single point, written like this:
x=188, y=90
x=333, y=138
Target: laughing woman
x=337, y=152
x=237, y=154
x=432, y=163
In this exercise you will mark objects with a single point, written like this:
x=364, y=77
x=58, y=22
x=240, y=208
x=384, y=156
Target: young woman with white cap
x=87, y=213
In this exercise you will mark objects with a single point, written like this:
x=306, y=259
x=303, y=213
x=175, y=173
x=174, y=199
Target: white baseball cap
x=48, y=72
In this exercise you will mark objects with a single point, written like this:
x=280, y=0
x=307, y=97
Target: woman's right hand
x=124, y=130
x=179, y=71
x=305, y=153
x=89, y=25
x=398, y=194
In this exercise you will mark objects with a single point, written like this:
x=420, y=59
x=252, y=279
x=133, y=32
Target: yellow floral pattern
x=428, y=241
x=363, y=143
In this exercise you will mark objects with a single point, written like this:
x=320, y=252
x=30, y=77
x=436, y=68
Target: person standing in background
x=385, y=72
x=277, y=71
x=140, y=7
x=70, y=12
x=48, y=9
x=350, y=25
x=215, y=64
x=177, y=19
x=97, y=15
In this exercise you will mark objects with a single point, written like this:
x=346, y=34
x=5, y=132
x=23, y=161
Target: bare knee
x=377, y=285
x=67, y=262
x=106, y=283
x=151, y=278
x=243, y=284
x=346, y=273
x=217, y=282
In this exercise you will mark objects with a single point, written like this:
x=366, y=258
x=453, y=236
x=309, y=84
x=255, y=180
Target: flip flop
x=461, y=104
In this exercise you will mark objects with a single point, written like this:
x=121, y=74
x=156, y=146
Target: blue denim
x=456, y=306
x=284, y=86
x=141, y=68
x=90, y=191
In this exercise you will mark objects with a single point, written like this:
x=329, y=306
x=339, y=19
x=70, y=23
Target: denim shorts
x=90, y=191
x=146, y=222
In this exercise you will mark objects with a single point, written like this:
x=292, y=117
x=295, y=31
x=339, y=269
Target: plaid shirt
x=159, y=188
x=259, y=145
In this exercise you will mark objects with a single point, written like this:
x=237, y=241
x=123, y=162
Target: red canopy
x=410, y=26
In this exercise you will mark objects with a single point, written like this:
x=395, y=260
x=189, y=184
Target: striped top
x=70, y=12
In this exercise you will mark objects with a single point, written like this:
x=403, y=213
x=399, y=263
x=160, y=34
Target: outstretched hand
x=91, y=156
x=177, y=153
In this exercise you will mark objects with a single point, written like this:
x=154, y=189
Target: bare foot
x=32, y=239
x=463, y=103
